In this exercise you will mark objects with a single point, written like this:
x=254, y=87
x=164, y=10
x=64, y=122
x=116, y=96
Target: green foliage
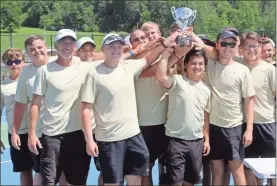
x=11, y=15
x=126, y=15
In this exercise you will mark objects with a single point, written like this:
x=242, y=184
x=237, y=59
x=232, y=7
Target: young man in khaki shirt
x=57, y=86
x=230, y=83
x=188, y=110
x=109, y=91
x=264, y=128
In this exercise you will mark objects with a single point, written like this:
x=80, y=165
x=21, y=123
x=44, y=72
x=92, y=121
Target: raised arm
x=161, y=74
x=211, y=52
x=176, y=55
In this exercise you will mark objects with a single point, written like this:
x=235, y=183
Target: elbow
x=160, y=78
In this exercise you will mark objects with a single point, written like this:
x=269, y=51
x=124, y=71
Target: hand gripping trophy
x=184, y=17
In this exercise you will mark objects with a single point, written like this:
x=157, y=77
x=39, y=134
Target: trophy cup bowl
x=184, y=17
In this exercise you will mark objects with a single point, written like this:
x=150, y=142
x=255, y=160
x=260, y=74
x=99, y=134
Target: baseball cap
x=112, y=37
x=64, y=33
x=84, y=40
x=232, y=29
x=206, y=38
x=226, y=34
x=127, y=39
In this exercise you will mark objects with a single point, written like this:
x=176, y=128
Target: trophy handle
x=192, y=17
x=173, y=12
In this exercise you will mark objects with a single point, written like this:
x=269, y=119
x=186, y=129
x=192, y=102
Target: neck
x=270, y=61
x=225, y=61
x=253, y=62
x=194, y=78
x=64, y=62
x=40, y=63
x=14, y=76
x=110, y=63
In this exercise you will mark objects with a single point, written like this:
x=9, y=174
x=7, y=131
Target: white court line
x=6, y=161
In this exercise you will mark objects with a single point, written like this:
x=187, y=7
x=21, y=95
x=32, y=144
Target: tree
x=11, y=15
x=35, y=10
x=70, y=14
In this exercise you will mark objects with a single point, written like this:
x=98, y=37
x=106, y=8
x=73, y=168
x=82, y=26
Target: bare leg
x=37, y=179
x=227, y=176
x=100, y=179
x=217, y=172
x=62, y=180
x=133, y=180
x=26, y=177
x=237, y=170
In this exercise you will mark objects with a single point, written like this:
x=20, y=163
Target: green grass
x=19, y=36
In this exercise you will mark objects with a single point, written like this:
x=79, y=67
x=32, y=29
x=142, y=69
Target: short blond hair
x=12, y=53
x=149, y=25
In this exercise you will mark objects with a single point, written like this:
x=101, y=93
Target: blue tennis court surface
x=8, y=177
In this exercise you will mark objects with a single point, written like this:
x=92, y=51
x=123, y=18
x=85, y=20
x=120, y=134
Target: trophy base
x=183, y=41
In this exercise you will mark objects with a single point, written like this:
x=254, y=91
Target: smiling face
x=137, y=37
x=14, y=61
x=113, y=51
x=37, y=52
x=267, y=52
x=86, y=52
x=66, y=47
x=226, y=48
x=195, y=67
x=251, y=50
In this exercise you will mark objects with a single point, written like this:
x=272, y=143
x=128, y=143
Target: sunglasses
x=226, y=44
x=11, y=62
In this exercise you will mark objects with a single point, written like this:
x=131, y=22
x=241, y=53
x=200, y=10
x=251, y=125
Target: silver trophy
x=184, y=17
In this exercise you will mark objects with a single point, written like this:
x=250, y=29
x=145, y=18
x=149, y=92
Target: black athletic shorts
x=264, y=142
x=155, y=140
x=226, y=143
x=23, y=159
x=125, y=157
x=184, y=161
x=65, y=152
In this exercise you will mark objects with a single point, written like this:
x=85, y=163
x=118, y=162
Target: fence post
x=51, y=44
x=11, y=39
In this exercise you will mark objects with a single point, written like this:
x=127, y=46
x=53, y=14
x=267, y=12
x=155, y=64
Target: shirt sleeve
x=247, y=84
x=2, y=100
x=135, y=66
x=89, y=89
x=208, y=106
x=40, y=83
x=272, y=80
x=21, y=95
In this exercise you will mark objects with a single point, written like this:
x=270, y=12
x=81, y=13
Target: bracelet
x=131, y=53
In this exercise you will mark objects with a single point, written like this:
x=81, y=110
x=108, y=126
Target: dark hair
x=194, y=52
x=250, y=35
x=29, y=41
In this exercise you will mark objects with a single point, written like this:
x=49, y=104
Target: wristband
x=131, y=53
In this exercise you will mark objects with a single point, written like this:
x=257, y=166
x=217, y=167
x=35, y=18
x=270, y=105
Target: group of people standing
x=205, y=106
